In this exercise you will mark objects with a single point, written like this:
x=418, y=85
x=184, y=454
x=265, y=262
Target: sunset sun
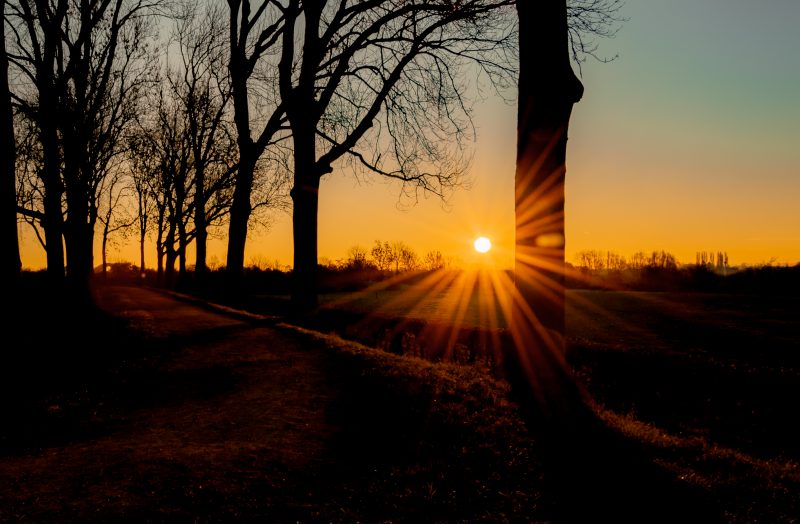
x=482, y=245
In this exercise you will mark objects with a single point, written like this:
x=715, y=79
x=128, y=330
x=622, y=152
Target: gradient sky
x=688, y=141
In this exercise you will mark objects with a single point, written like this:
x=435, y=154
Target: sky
x=688, y=141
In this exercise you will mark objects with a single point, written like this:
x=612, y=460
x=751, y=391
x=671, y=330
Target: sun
x=482, y=245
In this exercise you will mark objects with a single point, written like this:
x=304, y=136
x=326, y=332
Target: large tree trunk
x=79, y=237
x=11, y=263
x=303, y=115
x=548, y=88
x=305, y=197
x=240, y=214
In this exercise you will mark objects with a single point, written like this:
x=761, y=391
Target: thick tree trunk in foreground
x=548, y=88
x=240, y=216
x=11, y=263
x=305, y=197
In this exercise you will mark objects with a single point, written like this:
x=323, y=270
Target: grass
x=256, y=423
x=699, y=390
x=706, y=383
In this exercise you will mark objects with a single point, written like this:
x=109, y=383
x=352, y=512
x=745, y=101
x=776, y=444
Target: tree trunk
x=548, y=88
x=240, y=215
x=142, y=232
x=79, y=242
x=142, y=267
x=305, y=196
x=171, y=255
x=11, y=263
x=200, y=226
x=182, y=244
x=53, y=222
x=103, y=251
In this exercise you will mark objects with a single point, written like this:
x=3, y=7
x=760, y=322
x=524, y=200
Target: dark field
x=710, y=382
x=174, y=412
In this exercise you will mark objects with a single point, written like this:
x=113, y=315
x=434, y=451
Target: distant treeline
x=656, y=271
x=359, y=269
x=660, y=271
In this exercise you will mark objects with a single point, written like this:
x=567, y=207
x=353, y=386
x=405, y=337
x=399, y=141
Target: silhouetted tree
x=112, y=214
x=36, y=54
x=383, y=255
x=252, y=35
x=434, y=260
x=662, y=260
x=86, y=63
x=202, y=91
x=356, y=259
x=548, y=89
x=376, y=84
x=143, y=165
x=406, y=257
x=11, y=263
x=638, y=260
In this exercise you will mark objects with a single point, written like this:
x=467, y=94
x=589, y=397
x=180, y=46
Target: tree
x=36, y=37
x=112, y=214
x=434, y=260
x=405, y=256
x=143, y=166
x=11, y=263
x=356, y=259
x=383, y=255
x=202, y=93
x=85, y=63
x=548, y=89
x=251, y=36
x=377, y=85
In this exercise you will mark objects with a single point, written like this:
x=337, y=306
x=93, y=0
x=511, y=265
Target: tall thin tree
x=10, y=262
x=252, y=34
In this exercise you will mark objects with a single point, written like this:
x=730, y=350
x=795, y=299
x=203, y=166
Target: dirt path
x=234, y=395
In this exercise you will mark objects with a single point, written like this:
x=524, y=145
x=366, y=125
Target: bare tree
x=378, y=85
x=35, y=53
x=113, y=213
x=434, y=260
x=11, y=263
x=252, y=36
x=383, y=255
x=86, y=63
x=202, y=89
x=143, y=165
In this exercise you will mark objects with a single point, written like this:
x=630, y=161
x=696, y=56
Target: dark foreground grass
x=379, y=438
x=376, y=438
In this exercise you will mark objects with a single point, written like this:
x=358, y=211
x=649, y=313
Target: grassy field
x=702, y=388
x=708, y=382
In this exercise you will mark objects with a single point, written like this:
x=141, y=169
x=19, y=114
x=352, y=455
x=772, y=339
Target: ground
x=244, y=421
x=185, y=413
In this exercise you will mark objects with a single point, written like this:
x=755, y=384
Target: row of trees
x=118, y=126
x=394, y=257
x=596, y=260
